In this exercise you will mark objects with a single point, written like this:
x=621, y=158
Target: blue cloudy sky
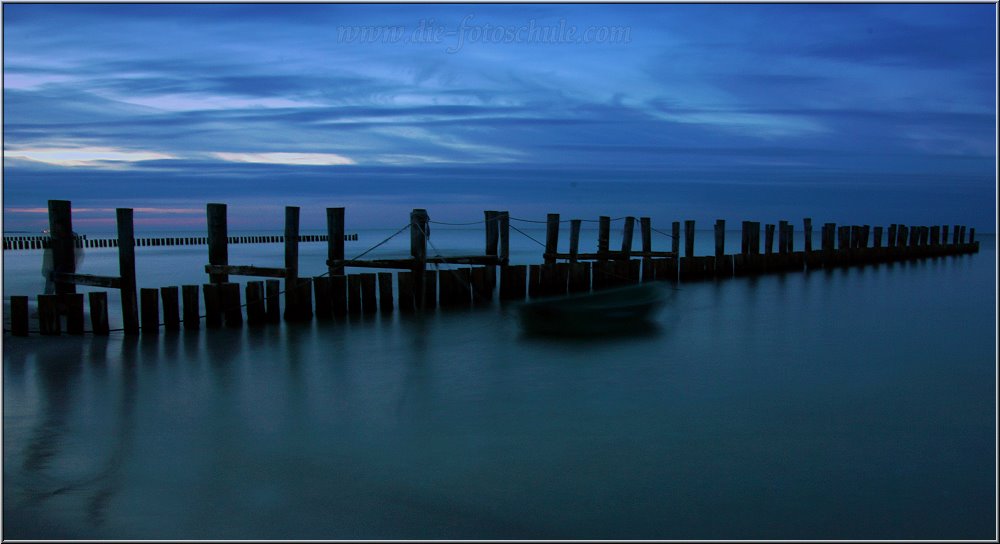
x=846, y=113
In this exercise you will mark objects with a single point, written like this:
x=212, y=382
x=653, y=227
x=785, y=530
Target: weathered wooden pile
x=338, y=295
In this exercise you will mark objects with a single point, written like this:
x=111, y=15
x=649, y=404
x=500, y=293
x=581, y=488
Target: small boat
x=616, y=310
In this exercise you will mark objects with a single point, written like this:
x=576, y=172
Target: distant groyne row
x=488, y=277
x=83, y=241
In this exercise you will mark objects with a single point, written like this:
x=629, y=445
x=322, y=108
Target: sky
x=865, y=114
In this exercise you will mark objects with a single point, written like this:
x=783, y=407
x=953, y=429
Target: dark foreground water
x=855, y=404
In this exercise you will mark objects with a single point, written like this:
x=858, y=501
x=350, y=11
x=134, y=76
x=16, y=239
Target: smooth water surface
x=850, y=404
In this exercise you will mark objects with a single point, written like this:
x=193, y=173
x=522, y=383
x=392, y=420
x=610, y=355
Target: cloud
x=305, y=159
x=85, y=156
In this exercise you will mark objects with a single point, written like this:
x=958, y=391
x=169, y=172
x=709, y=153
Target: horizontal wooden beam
x=110, y=282
x=613, y=255
x=471, y=259
x=238, y=270
x=407, y=264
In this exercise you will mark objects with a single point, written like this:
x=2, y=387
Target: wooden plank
x=19, y=315
x=354, y=294
x=48, y=315
x=574, y=239
x=218, y=240
x=213, y=305
x=256, y=310
x=338, y=295
x=126, y=271
x=603, y=234
x=294, y=308
x=73, y=303
x=551, y=238
x=627, y=231
x=150, y=310
x=369, y=303
x=98, y=301
x=108, y=282
x=170, y=298
x=321, y=295
x=492, y=232
x=334, y=241
x=241, y=270
x=61, y=242
x=192, y=317
x=404, y=283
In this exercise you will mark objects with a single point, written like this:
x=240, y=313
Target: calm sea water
x=851, y=404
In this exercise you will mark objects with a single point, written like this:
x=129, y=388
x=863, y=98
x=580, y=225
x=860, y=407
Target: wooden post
x=807, y=230
x=19, y=315
x=504, y=222
x=972, y=235
x=61, y=236
x=385, y=291
x=513, y=280
x=790, y=238
x=627, y=231
x=768, y=238
x=534, y=280
x=256, y=312
x=961, y=236
x=646, y=232
x=338, y=295
x=574, y=239
x=890, y=240
x=334, y=241
x=481, y=289
x=579, y=277
x=689, y=238
x=150, y=311
x=192, y=317
x=492, y=232
x=303, y=298
x=603, y=236
x=430, y=289
x=229, y=299
x=404, y=280
x=354, y=294
x=418, y=250
x=782, y=237
x=218, y=239
x=369, y=304
x=170, y=297
x=745, y=238
x=551, y=238
x=48, y=315
x=944, y=235
x=955, y=235
x=321, y=289
x=877, y=238
x=935, y=235
x=213, y=305
x=675, y=236
x=98, y=312
x=72, y=303
x=755, y=237
x=293, y=309
x=126, y=271
x=720, y=239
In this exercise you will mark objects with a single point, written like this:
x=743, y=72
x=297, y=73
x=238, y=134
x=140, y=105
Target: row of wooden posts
x=82, y=241
x=337, y=294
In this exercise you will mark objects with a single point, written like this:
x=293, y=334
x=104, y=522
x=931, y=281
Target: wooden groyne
x=84, y=241
x=489, y=276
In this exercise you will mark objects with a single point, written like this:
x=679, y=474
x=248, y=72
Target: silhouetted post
x=256, y=313
x=61, y=236
x=293, y=310
x=98, y=312
x=354, y=294
x=768, y=239
x=321, y=291
x=790, y=238
x=218, y=239
x=646, y=231
x=944, y=235
x=19, y=315
x=404, y=281
x=72, y=304
x=492, y=232
x=807, y=230
x=745, y=238
x=192, y=318
x=955, y=235
x=551, y=238
x=338, y=295
x=574, y=239
x=782, y=237
x=972, y=235
x=504, y=222
x=935, y=235
x=126, y=271
x=272, y=300
x=892, y=235
x=603, y=236
x=334, y=240
x=689, y=238
x=961, y=236
x=48, y=315
x=627, y=231
x=755, y=237
x=150, y=310
x=418, y=250
x=213, y=305
x=877, y=240
x=170, y=297
x=369, y=304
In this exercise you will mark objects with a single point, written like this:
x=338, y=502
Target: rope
x=562, y=221
x=527, y=235
x=661, y=232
